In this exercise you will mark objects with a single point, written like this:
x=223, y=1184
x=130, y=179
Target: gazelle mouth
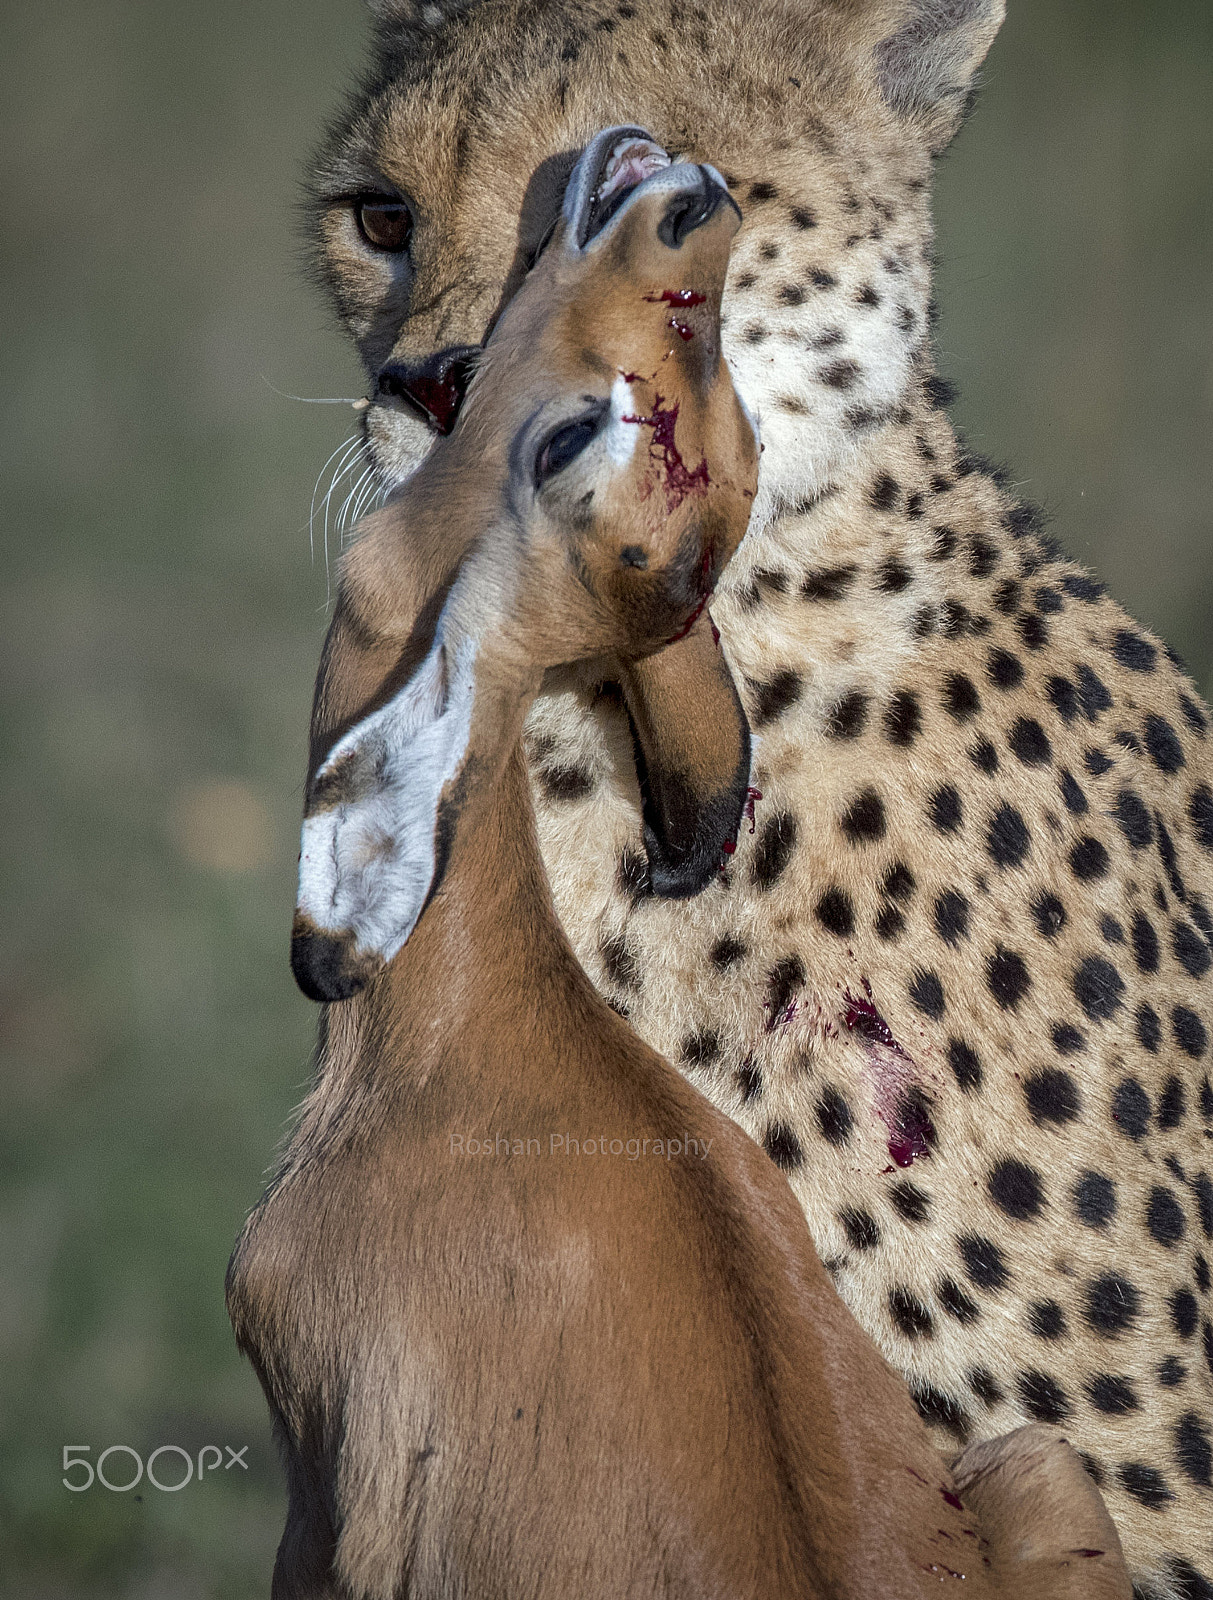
x=625, y=167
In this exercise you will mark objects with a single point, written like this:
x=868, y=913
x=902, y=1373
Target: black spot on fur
x=945, y=809
x=1093, y=694
x=944, y=544
x=892, y=575
x=940, y=1409
x=909, y=1315
x=828, y=584
x=899, y=882
x=1185, y=1312
x=1112, y=1304
x=1089, y=860
x=960, y=697
x=1134, y=652
x=702, y=1048
x=1004, y=670
x=1049, y=915
x=1063, y=697
x=620, y=962
x=565, y=783
x=1052, y=1096
x=890, y=923
x=965, y=1064
x=772, y=850
x=1133, y=817
x=1200, y=814
x=1099, y=988
x=1082, y=587
x=1165, y=1217
x=763, y=191
x=903, y=718
x=1172, y=1104
x=783, y=1147
x=1190, y=949
x=984, y=1262
x=1193, y=716
x=1030, y=742
x=910, y=1202
x=772, y=699
x=951, y=916
x=726, y=952
x=848, y=717
x=1067, y=1039
x=1072, y=796
x=834, y=1116
x=633, y=875
x=1145, y=943
x=1148, y=1027
x=836, y=913
x=861, y=1228
x=983, y=756
x=1033, y=630
x=956, y=1302
x=864, y=821
x=783, y=980
x=1146, y=1484
x=1131, y=1108
x=1171, y=1372
x=926, y=991
x=1016, y=1188
x=1188, y=1583
x=1112, y=1395
x=1162, y=743
x=1046, y=1319
x=985, y=1386
x=1042, y=1397
x=1094, y=1199
x=1008, y=839
x=1096, y=762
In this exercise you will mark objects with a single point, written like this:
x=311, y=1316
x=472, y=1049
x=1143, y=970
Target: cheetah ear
x=692, y=746
x=926, y=67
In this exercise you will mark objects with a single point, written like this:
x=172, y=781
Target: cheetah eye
x=385, y=224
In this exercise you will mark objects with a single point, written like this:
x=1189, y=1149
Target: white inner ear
x=366, y=863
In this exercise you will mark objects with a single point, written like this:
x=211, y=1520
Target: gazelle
x=499, y=1365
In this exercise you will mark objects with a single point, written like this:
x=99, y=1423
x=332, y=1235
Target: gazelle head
x=600, y=475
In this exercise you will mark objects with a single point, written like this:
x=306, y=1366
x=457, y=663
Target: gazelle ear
x=692, y=758
x=373, y=843
x=926, y=66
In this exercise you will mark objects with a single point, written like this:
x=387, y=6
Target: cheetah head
x=439, y=184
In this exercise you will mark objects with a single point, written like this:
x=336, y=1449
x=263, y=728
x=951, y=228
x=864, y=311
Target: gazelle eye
x=563, y=447
x=385, y=224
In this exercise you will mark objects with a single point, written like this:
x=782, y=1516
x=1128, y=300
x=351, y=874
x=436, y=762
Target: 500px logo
x=210, y=1459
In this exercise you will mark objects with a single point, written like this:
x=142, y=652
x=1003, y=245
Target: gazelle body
x=535, y=1319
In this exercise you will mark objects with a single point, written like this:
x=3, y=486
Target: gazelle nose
x=691, y=209
x=434, y=387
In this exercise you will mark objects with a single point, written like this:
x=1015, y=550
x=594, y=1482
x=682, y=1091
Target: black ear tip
x=328, y=966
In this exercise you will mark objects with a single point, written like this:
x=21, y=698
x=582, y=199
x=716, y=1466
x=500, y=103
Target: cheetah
x=955, y=977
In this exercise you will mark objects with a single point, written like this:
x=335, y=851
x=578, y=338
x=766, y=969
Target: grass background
x=161, y=620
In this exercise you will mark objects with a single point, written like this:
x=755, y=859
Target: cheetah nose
x=434, y=387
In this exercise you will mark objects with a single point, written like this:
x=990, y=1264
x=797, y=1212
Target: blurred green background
x=162, y=619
